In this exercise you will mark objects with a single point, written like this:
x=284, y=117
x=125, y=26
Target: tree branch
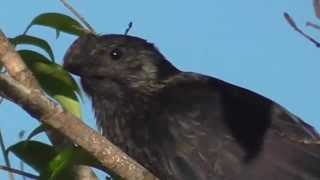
x=31, y=98
x=17, y=69
x=296, y=28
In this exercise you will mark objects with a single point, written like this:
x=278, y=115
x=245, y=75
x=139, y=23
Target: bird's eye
x=116, y=54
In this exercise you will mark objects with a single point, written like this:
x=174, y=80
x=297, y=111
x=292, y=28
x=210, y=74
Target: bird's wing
x=220, y=131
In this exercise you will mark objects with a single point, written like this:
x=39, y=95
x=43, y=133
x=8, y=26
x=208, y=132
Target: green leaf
x=35, y=41
x=55, y=81
x=58, y=21
x=53, y=165
x=34, y=153
x=60, y=166
x=82, y=157
x=71, y=104
x=74, y=156
x=41, y=128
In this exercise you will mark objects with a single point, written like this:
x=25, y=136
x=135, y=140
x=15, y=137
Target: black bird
x=188, y=126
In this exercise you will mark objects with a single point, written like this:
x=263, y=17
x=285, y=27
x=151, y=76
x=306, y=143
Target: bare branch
x=78, y=15
x=39, y=106
x=315, y=26
x=21, y=136
x=14, y=64
x=5, y=156
x=296, y=28
x=16, y=171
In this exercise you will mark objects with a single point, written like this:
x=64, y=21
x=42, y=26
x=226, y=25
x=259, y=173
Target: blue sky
x=248, y=44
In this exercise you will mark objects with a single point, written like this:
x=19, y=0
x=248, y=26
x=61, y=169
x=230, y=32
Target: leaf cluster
x=59, y=85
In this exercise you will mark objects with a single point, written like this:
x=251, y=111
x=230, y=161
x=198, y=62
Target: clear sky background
x=248, y=44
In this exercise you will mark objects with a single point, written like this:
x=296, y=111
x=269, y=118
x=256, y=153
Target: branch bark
x=17, y=69
x=23, y=89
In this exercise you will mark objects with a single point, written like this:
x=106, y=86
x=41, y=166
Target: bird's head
x=120, y=59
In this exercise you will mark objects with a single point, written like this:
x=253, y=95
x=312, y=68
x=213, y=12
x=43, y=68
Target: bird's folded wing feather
x=213, y=127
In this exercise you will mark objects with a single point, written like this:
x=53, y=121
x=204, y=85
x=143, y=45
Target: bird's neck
x=122, y=115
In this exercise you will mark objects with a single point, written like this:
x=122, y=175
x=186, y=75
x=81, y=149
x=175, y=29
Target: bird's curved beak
x=76, y=53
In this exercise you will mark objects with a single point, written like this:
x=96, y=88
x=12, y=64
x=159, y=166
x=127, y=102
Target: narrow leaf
x=35, y=41
x=290, y=21
x=60, y=165
x=59, y=22
x=55, y=81
x=67, y=158
x=41, y=128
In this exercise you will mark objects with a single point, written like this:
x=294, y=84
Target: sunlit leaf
x=61, y=162
x=57, y=82
x=60, y=166
x=71, y=104
x=35, y=41
x=59, y=22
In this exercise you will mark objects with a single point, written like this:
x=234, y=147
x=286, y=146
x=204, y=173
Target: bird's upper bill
x=73, y=57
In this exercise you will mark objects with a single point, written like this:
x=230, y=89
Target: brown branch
x=39, y=106
x=316, y=6
x=296, y=28
x=14, y=64
x=17, y=69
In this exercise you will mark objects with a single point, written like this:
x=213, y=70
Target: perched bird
x=188, y=126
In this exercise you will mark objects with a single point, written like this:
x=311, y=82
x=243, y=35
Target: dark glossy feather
x=187, y=126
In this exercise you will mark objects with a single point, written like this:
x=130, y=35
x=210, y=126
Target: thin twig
x=16, y=171
x=81, y=18
x=2, y=71
x=5, y=156
x=313, y=25
x=296, y=28
x=21, y=136
x=22, y=169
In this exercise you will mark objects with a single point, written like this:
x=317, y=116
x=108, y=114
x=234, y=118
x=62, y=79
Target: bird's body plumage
x=187, y=126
